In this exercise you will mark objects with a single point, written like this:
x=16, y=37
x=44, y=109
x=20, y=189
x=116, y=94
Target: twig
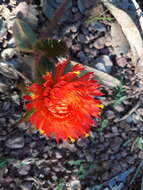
x=55, y=19
x=137, y=172
x=129, y=113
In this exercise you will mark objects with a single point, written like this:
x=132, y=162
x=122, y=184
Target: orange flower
x=64, y=104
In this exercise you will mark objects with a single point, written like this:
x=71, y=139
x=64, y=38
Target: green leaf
x=103, y=124
x=51, y=48
x=28, y=114
x=24, y=36
x=60, y=185
x=43, y=66
x=75, y=162
x=139, y=143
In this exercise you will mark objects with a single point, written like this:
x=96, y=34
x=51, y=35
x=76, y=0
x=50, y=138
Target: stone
x=98, y=26
x=15, y=142
x=116, y=143
x=8, y=53
x=3, y=29
x=131, y=159
x=75, y=185
x=121, y=62
x=99, y=43
x=104, y=63
x=140, y=154
x=47, y=9
x=106, y=165
x=58, y=155
x=119, y=108
x=108, y=40
x=115, y=130
x=83, y=142
x=26, y=185
x=11, y=43
x=81, y=56
x=105, y=176
x=110, y=114
x=76, y=48
x=123, y=164
x=24, y=170
x=81, y=6
x=82, y=38
x=116, y=168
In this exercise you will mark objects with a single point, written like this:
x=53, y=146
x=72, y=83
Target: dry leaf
x=119, y=41
x=132, y=34
x=104, y=78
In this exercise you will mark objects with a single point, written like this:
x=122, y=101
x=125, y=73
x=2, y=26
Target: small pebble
x=140, y=154
x=121, y=62
x=104, y=64
x=24, y=170
x=15, y=142
x=119, y=108
x=8, y=53
x=116, y=143
x=99, y=43
x=75, y=185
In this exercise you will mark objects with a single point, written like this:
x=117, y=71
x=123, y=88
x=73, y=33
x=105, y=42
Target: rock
x=99, y=43
x=74, y=10
x=24, y=170
x=106, y=165
x=81, y=6
x=123, y=164
x=75, y=185
x=103, y=63
x=116, y=143
x=140, y=111
x=110, y=114
x=15, y=142
x=131, y=159
x=140, y=154
x=129, y=119
x=11, y=43
x=8, y=53
x=47, y=9
x=81, y=56
x=119, y=108
x=93, y=52
x=82, y=39
x=89, y=157
x=105, y=176
x=98, y=26
x=115, y=130
x=76, y=48
x=58, y=155
x=108, y=39
x=124, y=154
x=3, y=29
x=104, y=156
x=116, y=168
x=121, y=62
x=13, y=63
x=28, y=12
x=26, y=185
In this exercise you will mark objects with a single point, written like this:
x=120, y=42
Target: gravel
x=103, y=153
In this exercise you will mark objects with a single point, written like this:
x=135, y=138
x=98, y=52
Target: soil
x=29, y=161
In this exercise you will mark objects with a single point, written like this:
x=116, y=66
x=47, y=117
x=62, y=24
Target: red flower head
x=64, y=104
